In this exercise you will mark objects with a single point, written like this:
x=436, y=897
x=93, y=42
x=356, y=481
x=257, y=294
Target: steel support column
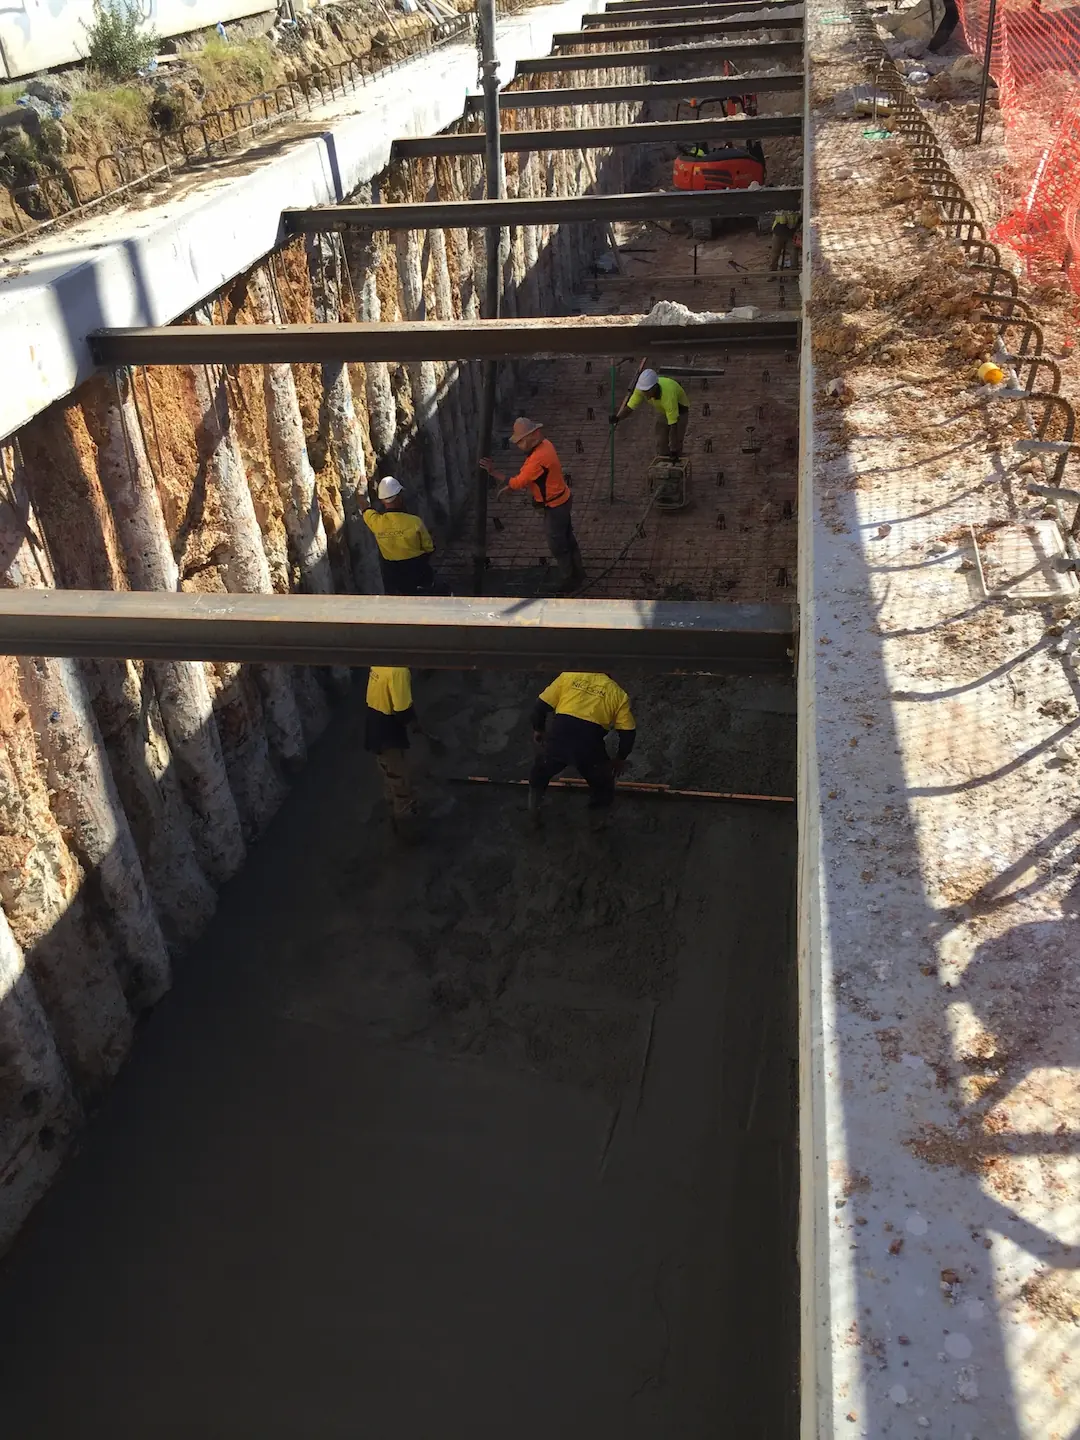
x=485, y=17
x=454, y=633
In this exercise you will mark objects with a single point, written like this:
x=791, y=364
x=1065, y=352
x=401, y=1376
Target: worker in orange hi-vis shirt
x=543, y=477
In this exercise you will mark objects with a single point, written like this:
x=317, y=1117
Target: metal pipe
x=548, y=210
x=722, y=131
x=633, y=787
x=991, y=17
x=485, y=18
x=657, y=91
x=455, y=633
x=611, y=439
x=393, y=343
x=770, y=51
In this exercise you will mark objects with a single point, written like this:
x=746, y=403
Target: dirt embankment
x=74, y=135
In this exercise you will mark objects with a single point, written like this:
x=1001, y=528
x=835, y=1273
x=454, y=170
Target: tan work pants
x=394, y=768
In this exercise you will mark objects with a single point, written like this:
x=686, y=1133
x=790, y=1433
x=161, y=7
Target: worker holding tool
x=405, y=546
x=668, y=398
x=785, y=226
x=570, y=720
x=389, y=718
x=542, y=476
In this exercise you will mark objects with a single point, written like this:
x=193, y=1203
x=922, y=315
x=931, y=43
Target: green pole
x=611, y=442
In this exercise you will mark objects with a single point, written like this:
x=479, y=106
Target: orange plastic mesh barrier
x=1036, y=64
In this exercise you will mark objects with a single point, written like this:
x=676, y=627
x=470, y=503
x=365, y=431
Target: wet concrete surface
x=491, y=1135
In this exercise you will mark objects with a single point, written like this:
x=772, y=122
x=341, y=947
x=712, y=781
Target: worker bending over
x=785, y=226
x=405, y=546
x=542, y=476
x=668, y=398
x=570, y=720
x=390, y=716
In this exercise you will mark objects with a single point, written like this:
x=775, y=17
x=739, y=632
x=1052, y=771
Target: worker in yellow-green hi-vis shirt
x=668, y=398
x=570, y=720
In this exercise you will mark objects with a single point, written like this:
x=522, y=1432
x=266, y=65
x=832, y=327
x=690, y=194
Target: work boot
x=536, y=799
x=599, y=816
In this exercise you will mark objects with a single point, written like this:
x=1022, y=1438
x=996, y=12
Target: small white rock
x=937, y=547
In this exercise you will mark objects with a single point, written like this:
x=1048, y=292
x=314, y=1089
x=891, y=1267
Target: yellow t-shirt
x=672, y=395
x=399, y=536
x=389, y=689
x=589, y=695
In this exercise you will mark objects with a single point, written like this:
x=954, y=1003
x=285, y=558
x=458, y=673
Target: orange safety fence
x=1035, y=63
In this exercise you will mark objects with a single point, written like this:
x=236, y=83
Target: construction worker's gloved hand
x=618, y=765
x=613, y=419
x=538, y=737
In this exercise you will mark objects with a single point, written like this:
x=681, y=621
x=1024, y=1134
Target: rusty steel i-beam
x=546, y=210
x=430, y=340
x=679, y=13
x=452, y=633
x=648, y=91
x=768, y=51
x=618, y=36
x=721, y=131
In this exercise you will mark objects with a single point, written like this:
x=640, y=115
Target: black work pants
x=562, y=542
x=591, y=761
x=407, y=577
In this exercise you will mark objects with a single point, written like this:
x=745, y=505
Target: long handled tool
x=636, y=787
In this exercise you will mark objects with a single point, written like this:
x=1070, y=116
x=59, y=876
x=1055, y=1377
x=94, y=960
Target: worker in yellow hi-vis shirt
x=570, y=720
x=390, y=717
x=668, y=398
x=405, y=546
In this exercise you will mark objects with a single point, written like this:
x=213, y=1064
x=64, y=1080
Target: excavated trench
x=491, y=1134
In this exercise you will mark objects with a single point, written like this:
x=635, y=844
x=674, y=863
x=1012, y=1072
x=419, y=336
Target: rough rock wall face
x=130, y=792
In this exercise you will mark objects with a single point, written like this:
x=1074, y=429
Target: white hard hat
x=389, y=488
x=646, y=380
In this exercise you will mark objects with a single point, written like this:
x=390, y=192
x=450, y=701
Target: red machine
x=728, y=169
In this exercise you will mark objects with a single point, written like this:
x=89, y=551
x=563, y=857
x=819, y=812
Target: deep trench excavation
x=470, y=1126
x=493, y=1134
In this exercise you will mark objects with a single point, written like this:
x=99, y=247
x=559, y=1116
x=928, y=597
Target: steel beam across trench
x=769, y=51
x=659, y=91
x=687, y=31
x=659, y=132
x=652, y=11
x=558, y=210
x=449, y=633
x=429, y=340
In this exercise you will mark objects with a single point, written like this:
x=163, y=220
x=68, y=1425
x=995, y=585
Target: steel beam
x=546, y=210
x=687, y=31
x=676, y=13
x=600, y=137
x=650, y=91
x=768, y=51
x=430, y=340
x=453, y=634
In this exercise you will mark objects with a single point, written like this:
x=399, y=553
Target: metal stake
x=485, y=19
x=611, y=439
x=986, y=71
